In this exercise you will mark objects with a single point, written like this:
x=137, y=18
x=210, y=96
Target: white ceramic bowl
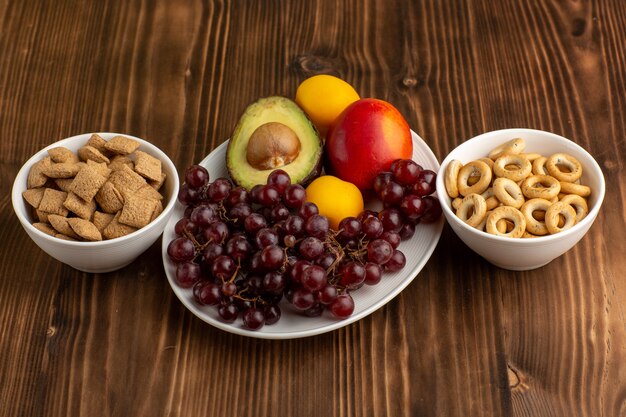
x=523, y=254
x=107, y=255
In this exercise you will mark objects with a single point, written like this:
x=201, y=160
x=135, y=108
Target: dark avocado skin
x=305, y=168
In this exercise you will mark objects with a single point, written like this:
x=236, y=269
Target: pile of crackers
x=107, y=190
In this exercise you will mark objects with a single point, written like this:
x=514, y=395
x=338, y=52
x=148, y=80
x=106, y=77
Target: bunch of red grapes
x=244, y=252
x=405, y=191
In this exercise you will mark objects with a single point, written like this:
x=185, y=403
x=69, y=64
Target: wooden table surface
x=463, y=339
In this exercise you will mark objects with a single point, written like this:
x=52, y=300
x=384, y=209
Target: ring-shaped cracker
x=557, y=210
x=456, y=203
x=577, y=189
x=508, y=192
x=539, y=166
x=579, y=204
x=490, y=198
x=450, y=177
x=488, y=161
x=507, y=213
x=533, y=224
x=472, y=209
x=554, y=162
x=550, y=187
x=523, y=167
x=473, y=179
x=473, y=168
x=481, y=225
x=504, y=225
x=514, y=146
x=531, y=156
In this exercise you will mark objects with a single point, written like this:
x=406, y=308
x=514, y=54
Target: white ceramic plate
x=367, y=299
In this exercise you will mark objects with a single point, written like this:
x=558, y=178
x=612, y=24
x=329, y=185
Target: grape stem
x=232, y=278
x=241, y=297
x=199, y=247
x=335, y=247
x=283, y=267
x=221, y=211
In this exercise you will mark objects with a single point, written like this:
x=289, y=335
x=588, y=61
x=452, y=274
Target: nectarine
x=364, y=140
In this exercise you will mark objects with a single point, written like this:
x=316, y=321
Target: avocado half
x=274, y=123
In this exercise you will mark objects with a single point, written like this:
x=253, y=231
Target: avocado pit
x=272, y=145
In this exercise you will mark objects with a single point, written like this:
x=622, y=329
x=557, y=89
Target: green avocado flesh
x=302, y=169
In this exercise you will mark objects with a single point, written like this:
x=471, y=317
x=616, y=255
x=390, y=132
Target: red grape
x=196, y=176
x=202, y=216
x=297, y=269
x=266, y=237
x=274, y=282
x=188, y=195
x=381, y=180
x=302, y=299
x=425, y=183
x=239, y=213
x=372, y=227
x=343, y=306
x=253, y=318
x=373, y=273
x=328, y=294
x=238, y=248
x=432, y=211
x=272, y=257
x=294, y=196
x=253, y=223
x=187, y=274
x=392, y=237
x=392, y=193
x=218, y=190
x=317, y=226
x=349, y=228
x=353, y=275
x=294, y=225
x=391, y=219
x=185, y=225
x=228, y=312
x=307, y=210
x=396, y=262
x=279, y=212
x=407, y=231
x=268, y=196
x=223, y=267
x=207, y=293
x=412, y=206
x=405, y=171
x=310, y=248
x=279, y=179
x=181, y=249
x=314, y=278
x=379, y=251
x=272, y=314
x=216, y=232
x=237, y=195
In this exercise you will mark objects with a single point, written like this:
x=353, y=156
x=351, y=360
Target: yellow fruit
x=335, y=198
x=323, y=98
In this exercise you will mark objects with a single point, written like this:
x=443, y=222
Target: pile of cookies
x=515, y=194
x=106, y=190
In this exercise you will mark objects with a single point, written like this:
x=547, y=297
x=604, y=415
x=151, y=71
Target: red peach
x=364, y=140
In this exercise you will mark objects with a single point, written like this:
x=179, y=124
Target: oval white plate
x=367, y=299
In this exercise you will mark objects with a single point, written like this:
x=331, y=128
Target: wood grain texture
x=464, y=339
